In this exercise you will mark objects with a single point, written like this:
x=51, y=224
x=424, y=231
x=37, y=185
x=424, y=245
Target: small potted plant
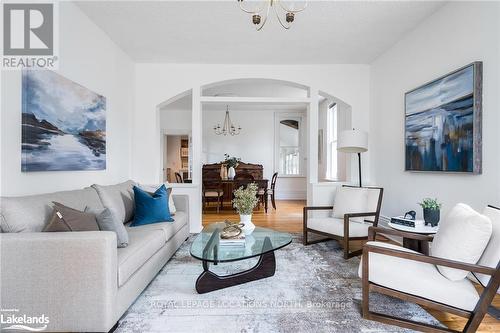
x=231, y=164
x=431, y=211
x=245, y=200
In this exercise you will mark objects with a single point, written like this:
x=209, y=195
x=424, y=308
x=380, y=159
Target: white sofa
x=80, y=280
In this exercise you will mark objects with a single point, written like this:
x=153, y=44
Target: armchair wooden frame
x=475, y=317
x=344, y=241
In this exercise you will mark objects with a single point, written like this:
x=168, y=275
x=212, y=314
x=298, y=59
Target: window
x=332, y=131
x=289, y=150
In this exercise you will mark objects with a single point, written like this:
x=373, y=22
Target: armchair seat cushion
x=143, y=244
x=419, y=279
x=335, y=226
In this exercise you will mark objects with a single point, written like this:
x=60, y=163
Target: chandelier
x=228, y=127
x=260, y=12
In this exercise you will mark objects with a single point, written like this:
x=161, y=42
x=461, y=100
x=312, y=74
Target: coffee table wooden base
x=209, y=281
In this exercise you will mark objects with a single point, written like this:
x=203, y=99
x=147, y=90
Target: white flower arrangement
x=245, y=199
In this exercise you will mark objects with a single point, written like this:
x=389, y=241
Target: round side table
x=421, y=246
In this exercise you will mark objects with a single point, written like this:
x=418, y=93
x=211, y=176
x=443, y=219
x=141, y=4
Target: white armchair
x=355, y=209
x=438, y=281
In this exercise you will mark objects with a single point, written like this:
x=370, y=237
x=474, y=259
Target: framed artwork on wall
x=443, y=123
x=63, y=124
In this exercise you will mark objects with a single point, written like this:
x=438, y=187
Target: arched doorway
x=260, y=106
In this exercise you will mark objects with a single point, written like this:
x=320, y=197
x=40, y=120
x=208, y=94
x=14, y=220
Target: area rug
x=314, y=290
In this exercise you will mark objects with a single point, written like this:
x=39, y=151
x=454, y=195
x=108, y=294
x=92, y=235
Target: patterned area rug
x=314, y=290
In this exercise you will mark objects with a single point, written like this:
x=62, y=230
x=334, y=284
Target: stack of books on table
x=233, y=241
x=400, y=220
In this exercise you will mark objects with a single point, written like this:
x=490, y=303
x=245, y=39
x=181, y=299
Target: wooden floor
x=288, y=217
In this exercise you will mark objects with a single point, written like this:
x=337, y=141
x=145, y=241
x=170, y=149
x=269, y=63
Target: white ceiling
x=219, y=32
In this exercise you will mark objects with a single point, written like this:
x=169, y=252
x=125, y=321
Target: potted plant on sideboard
x=231, y=164
x=245, y=200
x=432, y=210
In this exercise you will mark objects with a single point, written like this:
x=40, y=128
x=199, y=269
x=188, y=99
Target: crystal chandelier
x=261, y=11
x=228, y=127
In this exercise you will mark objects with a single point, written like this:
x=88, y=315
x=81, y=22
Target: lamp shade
x=352, y=141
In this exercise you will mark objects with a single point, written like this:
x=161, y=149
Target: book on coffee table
x=233, y=241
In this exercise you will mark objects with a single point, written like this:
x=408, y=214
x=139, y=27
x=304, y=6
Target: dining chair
x=262, y=193
x=178, y=178
x=355, y=209
x=271, y=191
x=212, y=192
x=425, y=279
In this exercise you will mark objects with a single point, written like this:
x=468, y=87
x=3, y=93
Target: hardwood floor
x=288, y=217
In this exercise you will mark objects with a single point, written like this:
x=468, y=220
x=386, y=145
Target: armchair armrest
x=349, y=215
x=307, y=208
x=372, y=231
x=71, y=277
x=427, y=259
x=181, y=202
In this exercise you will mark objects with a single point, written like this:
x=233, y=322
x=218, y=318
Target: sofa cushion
x=143, y=244
x=350, y=200
x=168, y=228
x=118, y=198
x=69, y=219
x=32, y=213
x=491, y=254
x=335, y=226
x=154, y=188
x=151, y=208
x=463, y=235
x=419, y=279
x=107, y=221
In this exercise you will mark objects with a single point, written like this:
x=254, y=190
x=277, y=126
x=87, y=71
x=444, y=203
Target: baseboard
x=291, y=195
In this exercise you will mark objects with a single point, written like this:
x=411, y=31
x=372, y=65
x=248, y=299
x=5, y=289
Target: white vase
x=231, y=173
x=247, y=220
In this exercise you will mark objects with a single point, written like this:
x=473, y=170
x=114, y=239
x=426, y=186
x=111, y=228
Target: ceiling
x=354, y=32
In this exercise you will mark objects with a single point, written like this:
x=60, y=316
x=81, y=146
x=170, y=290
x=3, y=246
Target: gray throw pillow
x=69, y=219
x=108, y=222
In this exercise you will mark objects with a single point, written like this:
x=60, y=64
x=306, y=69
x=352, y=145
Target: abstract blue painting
x=443, y=123
x=63, y=124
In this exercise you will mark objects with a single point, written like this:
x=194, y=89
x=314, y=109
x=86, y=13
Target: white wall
x=255, y=144
x=156, y=83
x=454, y=36
x=90, y=58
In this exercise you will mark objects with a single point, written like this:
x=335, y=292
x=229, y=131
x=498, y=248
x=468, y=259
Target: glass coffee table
x=260, y=243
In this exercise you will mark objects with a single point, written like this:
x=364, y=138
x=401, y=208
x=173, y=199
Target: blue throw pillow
x=151, y=208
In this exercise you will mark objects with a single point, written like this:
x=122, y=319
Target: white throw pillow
x=491, y=255
x=350, y=200
x=463, y=235
x=153, y=188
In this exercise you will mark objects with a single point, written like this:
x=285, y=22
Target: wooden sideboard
x=212, y=171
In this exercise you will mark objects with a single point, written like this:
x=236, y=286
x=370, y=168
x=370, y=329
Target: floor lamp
x=353, y=141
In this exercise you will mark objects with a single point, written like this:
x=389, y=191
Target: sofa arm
x=181, y=202
x=70, y=277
